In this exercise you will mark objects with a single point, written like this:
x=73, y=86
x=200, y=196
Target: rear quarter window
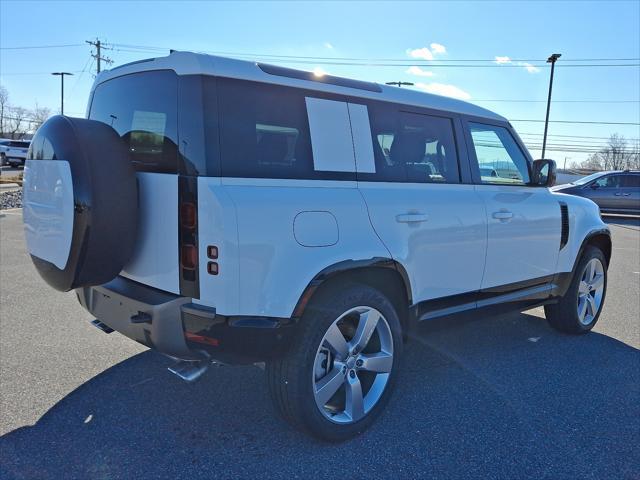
x=142, y=108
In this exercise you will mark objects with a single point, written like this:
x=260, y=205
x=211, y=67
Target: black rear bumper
x=176, y=327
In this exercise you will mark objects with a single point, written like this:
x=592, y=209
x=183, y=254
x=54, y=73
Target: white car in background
x=13, y=152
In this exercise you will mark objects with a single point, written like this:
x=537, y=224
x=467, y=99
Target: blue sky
x=411, y=31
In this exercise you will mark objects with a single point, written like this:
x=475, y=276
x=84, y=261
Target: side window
x=608, y=181
x=264, y=131
x=500, y=160
x=631, y=181
x=411, y=147
x=142, y=108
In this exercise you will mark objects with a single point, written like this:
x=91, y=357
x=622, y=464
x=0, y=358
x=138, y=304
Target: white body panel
x=584, y=219
x=273, y=267
x=48, y=210
x=524, y=246
x=155, y=259
x=437, y=232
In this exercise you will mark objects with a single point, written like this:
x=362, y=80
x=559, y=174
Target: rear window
x=142, y=108
x=264, y=131
x=19, y=144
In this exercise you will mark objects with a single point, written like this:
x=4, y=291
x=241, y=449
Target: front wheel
x=579, y=310
x=338, y=376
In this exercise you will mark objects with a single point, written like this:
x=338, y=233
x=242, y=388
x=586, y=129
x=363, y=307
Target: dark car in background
x=614, y=192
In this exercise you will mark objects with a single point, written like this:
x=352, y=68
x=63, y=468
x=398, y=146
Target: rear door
x=142, y=108
x=410, y=177
x=628, y=197
x=524, y=222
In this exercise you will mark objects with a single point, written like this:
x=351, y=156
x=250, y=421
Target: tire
x=80, y=204
x=579, y=310
x=295, y=381
x=13, y=164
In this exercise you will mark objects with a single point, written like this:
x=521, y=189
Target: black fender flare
x=345, y=266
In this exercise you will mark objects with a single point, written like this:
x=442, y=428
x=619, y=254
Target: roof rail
x=302, y=75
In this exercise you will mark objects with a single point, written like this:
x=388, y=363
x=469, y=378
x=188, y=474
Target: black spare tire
x=80, y=203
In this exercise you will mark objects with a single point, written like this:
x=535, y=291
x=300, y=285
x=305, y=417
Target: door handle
x=503, y=215
x=618, y=194
x=412, y=218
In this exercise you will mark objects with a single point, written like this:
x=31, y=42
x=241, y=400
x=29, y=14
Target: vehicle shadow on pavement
x=502, y=396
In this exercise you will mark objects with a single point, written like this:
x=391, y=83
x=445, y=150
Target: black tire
x=563, y=316
x=96, y=182
x=290, y=379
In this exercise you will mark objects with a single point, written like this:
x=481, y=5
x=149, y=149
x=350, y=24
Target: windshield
x=588, y=178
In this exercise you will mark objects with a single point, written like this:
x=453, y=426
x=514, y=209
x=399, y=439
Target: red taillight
x=188, y=215
x=194, y=337
x=189, y=257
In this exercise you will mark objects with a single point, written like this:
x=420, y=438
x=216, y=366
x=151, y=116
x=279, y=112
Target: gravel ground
x=12, y=199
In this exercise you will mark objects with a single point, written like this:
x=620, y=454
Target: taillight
x=188, y=215
x=189, y=257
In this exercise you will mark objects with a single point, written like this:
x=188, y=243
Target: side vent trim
x=564, y=234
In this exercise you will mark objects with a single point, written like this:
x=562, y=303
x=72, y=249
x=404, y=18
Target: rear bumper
x=174, y=326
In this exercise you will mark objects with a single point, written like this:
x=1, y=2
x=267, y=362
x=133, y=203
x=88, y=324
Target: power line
x=31, y=47
x=577, y=121
x=99, y=58
x=576, y=136
x=557, y=101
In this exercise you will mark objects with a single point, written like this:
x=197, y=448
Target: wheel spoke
x=592, y=306
x=582, y=307
x=380, y=362
x=366, y=326
x=583, y=288
x=598, y=281
x=328, y=386
x=334, y=340
x=354, y=406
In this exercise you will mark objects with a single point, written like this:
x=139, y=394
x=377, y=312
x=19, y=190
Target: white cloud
x=503, y=60
x=414, y=70
x=328, y=45
x=444, y=89
x=423, y=53
x=437, y=48
x=530, y=68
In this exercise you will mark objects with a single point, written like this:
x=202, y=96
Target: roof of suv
x=188, y=63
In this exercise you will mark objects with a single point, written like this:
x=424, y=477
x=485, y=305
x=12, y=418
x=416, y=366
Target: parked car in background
x=13, y=152
x=615, y=191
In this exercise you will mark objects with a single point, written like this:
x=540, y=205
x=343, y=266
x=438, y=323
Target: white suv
x=220, y=210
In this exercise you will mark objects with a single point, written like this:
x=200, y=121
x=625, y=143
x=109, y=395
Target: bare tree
x=38, y=116
x=617, y=155
x=17, y=122
x=4, y=103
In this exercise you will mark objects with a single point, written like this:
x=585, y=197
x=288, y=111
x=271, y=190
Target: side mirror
x=543, y=173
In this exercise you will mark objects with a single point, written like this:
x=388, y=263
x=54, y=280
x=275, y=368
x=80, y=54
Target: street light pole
x=61, y=75
x=399, y=84
x=552, y=60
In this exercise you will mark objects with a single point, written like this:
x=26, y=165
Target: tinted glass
x=631, y=181
x=264, y=131
x=142, y=108
x=609, y=181
x=411, y=147
x=500, y=160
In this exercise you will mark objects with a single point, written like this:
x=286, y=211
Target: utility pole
x=98, y=56
x=399, y=84
x=552, y=60
x=61, y=75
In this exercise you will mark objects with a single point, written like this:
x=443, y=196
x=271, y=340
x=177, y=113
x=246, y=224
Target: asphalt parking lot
x=494, y=397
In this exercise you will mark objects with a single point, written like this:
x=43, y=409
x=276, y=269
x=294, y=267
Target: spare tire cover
x=80, y=202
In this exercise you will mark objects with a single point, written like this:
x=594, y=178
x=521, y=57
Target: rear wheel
x=338, y=376
x=579, y=310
